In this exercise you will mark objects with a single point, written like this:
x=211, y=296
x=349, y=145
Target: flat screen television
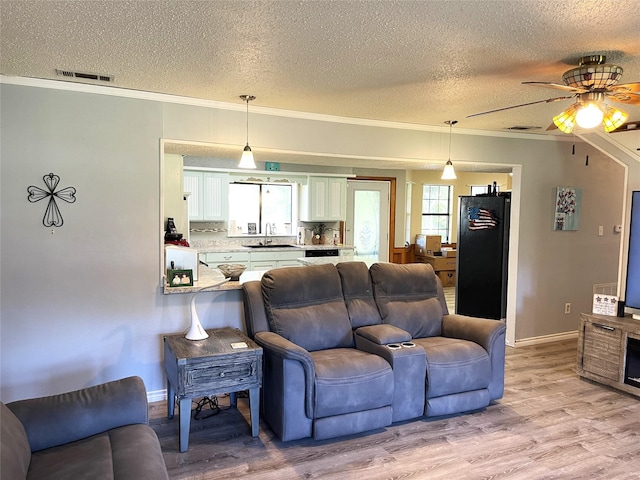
x=632, y=293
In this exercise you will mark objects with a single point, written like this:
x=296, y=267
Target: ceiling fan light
x=613, y=119
x=566, y=121
x=247, y=161
x=589, y=116
x=448, y=173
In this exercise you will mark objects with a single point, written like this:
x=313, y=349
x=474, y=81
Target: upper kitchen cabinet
x=208, y=195
x=323, y=199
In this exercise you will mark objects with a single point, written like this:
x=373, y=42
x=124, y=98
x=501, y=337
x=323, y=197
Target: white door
x=367, y=225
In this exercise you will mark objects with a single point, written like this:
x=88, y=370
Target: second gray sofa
x=97, y=433
x=349, y=349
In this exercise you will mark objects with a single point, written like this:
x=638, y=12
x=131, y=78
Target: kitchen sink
x=271, y=245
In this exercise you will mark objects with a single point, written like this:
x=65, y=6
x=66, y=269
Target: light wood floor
x=549, y=425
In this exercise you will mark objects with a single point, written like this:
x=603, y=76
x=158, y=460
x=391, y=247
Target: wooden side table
x=211, y=367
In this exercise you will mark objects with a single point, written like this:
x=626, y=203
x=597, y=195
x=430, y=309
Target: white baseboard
x=157, y=395
x=556, y=337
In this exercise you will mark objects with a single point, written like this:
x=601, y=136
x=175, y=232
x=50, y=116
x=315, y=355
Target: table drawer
x=220, y=376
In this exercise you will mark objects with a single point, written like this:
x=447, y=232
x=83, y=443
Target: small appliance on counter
x=171, y=235
x=181, y=258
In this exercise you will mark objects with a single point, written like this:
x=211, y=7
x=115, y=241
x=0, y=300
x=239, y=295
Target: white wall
x=83, y=304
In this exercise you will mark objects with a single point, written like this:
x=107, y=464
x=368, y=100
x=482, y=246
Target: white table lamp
x=196, y=332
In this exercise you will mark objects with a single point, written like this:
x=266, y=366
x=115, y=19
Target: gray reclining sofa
x=97, y=433
x=349, y=349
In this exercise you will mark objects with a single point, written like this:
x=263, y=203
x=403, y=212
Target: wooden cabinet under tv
x=602, y=349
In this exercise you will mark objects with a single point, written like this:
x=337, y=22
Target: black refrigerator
x=483, y=255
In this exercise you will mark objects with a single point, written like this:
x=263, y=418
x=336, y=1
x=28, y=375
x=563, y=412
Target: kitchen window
x=436, y=210
x=268, y=206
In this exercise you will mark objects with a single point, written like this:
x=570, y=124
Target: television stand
x=609, y=351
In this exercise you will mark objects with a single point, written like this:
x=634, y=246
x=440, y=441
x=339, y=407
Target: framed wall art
x=567, y=208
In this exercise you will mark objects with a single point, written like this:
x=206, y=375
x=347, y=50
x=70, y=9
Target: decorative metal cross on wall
x=52, y=216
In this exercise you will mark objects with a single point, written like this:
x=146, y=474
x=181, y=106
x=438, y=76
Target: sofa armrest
x=490, y=335
x=67, y=417
x=286, y=349
x=383, y=334
x=482, y=331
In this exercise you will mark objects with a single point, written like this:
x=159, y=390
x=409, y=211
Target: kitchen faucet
x=268, y=229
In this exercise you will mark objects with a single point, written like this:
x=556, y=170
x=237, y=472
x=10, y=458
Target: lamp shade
x=566, y=121
x=247, y=161
x=589, y=116
x=613, y=118
x=448, y=173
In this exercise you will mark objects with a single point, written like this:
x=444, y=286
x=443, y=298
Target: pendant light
x=449, y=173
x=247, y=161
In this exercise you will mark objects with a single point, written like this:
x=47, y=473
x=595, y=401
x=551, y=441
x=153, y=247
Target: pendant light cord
x=451, y=124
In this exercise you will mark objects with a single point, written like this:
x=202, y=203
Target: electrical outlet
x=567, y=308
x=600, y=231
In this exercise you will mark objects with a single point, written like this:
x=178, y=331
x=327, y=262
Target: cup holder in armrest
x=408, y=344
x=394, y=346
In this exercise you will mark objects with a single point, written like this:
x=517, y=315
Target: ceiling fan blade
x=557, y=86
x=552, y=127
x=626, y=87
x=548, y=100
x=627, y=126
x=624, y=97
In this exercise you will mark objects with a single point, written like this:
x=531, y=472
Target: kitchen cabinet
x=208, y=195
x=217, y=258
x=323, y=199
x=270, y=260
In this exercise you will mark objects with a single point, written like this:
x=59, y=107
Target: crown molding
x=199, y=102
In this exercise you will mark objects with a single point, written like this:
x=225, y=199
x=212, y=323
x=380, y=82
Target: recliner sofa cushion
x=454, y=366
x=129, y=452
x=86, y=458
x=306, y=306
x=349, y=380
x=15, y=449
x=407, y=297
x=358, y=294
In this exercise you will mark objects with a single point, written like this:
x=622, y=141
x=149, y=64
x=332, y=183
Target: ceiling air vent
x=523, y=127
x=94, y=77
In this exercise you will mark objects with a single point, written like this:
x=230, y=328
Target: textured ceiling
x=420, y=62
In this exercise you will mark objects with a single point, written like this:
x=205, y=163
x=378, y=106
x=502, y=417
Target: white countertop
x=282, y=248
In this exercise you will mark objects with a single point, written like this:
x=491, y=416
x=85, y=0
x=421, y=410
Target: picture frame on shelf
x=180, y=278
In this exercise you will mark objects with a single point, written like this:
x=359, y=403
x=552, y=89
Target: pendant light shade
x=247, y=161
x=449, y=173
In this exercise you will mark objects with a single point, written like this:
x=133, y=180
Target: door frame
x=392, y=207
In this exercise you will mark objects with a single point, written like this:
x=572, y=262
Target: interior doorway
x=367, y=223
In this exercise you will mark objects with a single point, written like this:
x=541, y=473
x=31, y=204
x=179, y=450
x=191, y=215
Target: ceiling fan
x=590, y=83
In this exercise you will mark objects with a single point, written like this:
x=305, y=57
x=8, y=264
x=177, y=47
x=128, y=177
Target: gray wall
x=82, y=303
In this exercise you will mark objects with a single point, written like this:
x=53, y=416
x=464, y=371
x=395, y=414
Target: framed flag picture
x=567, y=208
